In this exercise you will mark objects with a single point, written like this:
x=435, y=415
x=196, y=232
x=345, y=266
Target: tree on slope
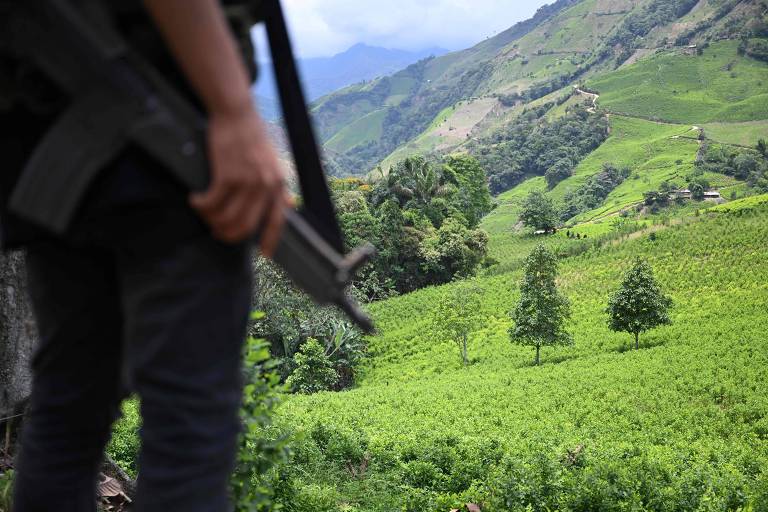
x=314, y=371
x=639, y=304
x=541, y=314
x=539, y=212
x=456, y=316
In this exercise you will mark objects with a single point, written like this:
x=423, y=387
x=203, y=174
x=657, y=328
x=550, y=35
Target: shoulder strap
x=318, y=206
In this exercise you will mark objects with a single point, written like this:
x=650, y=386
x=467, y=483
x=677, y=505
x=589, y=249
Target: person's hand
x=247, y=190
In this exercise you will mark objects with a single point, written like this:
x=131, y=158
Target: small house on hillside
x=712, y=195
x=691, y=49
x=681, y=194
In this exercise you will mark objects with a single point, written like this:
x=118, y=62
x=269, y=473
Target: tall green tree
x=456, y=316
x=541, y=314
x=539, y=211
x=639, y=304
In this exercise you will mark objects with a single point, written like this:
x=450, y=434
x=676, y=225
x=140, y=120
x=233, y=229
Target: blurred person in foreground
x=149, y=290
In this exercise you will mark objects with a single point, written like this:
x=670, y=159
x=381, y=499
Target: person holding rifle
x=149, y=288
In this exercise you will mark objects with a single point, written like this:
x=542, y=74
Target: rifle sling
x=314, y=189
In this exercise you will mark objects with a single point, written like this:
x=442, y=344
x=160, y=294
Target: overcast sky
x=325, y=27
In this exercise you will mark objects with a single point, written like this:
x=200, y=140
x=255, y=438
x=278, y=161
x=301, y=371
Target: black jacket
x=31, y=104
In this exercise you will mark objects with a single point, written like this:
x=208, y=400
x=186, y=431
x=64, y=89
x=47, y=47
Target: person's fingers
x=254, y=217
x=236, y=211
x=234, y=229
x=273, y=228
x=245, y=213
x=213, y=200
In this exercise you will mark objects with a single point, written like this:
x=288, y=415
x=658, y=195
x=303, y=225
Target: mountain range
x=323, y=75
x=466, y=98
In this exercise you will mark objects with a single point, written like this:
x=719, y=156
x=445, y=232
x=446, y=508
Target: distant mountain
x=469, y=100
x=327, y=74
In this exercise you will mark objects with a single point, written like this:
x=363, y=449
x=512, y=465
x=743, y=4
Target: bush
x=340, y=447
x=125, y=443
x=314, y=498
x=313, y=370
x=421, y=474
x=263, y=448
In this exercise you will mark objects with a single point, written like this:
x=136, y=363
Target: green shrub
x=421, y=474
x=314, y=498
x=125, y=443
x=340, y=446
x=313, y=370
x=263, y=447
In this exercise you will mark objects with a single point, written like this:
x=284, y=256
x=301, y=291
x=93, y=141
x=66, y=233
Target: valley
x=677, y=425
x=640, y=126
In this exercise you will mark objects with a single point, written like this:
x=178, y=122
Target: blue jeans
x=122, y=311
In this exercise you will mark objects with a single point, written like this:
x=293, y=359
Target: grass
x=686, y=414
x=742, y=134
x=366, y=129
x=652, y=152
x=746, y=203
x=719, y=86
x=510, y=243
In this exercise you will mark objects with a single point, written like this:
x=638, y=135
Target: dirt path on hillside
x=593, y=96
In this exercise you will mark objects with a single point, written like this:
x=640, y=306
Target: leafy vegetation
x=678, y=426
x=542, y=311
x=6, y=488
x=536, y=147
x=262, y=450
x=755, y=48
x=538, y=212
x=313, y=370
x=592, y=194
x=291, y=318
x=638, y=305
x=456, y=317
x=422, y=217
x=741, y=163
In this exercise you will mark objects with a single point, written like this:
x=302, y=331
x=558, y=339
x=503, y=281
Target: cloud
x=326, y=27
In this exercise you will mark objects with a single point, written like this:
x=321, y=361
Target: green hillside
x=530, y=53
x=678, y=425
x=630, y=101
x=439, y=105
x=718, y=86
x=651, y=150
x=366, y=129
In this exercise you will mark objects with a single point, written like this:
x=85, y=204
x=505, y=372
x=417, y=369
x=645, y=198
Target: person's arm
x=247, y=188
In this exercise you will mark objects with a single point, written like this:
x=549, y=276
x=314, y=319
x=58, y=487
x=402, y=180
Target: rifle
x=119, y=98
